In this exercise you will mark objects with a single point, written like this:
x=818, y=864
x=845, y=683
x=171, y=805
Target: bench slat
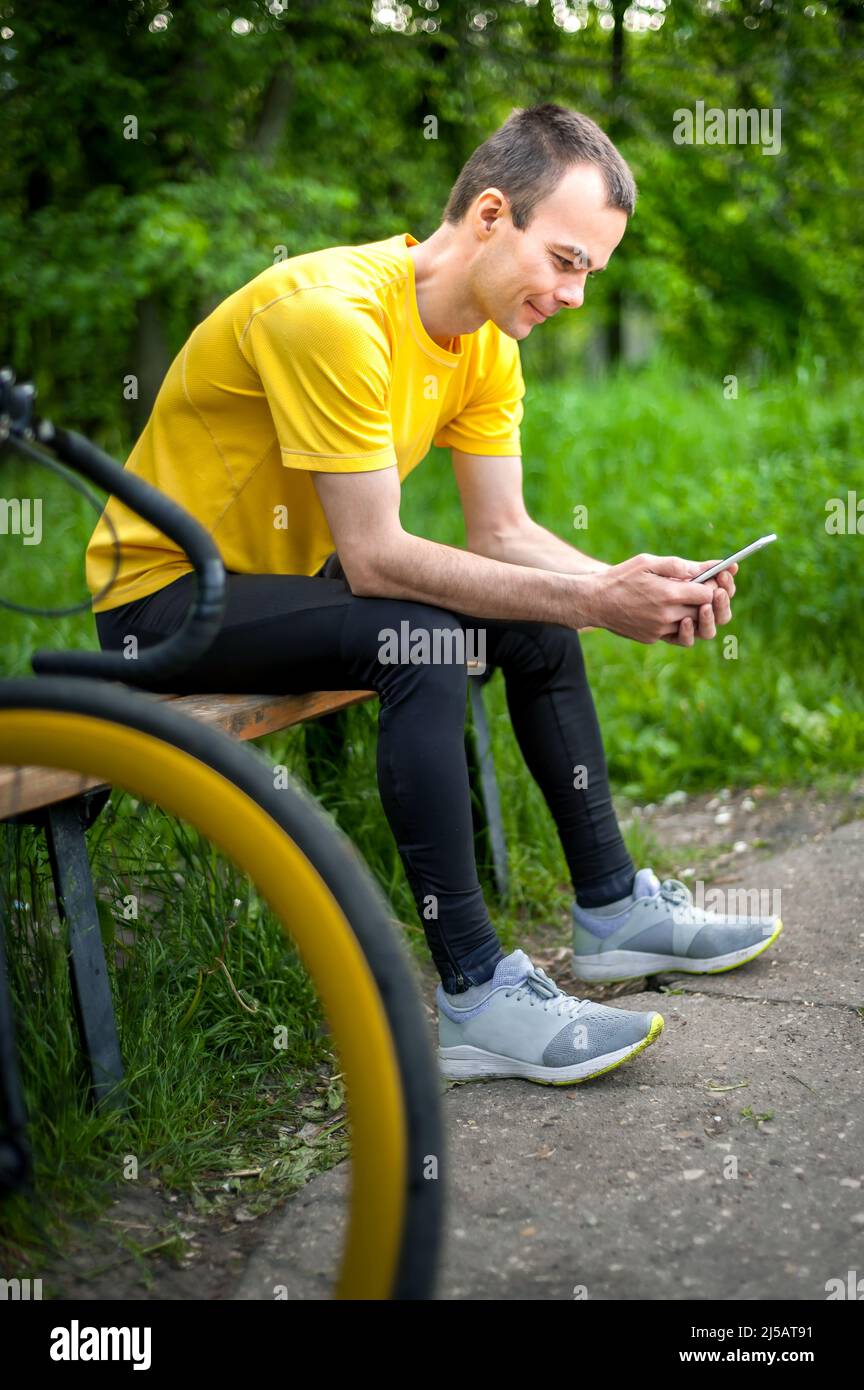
x=253, y=716
x=25, y=789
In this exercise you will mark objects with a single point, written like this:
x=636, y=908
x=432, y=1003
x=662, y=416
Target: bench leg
x=489, y=822
x=15, y=1158
x=91, y=988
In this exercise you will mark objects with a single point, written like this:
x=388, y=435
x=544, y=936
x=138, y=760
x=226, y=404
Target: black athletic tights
x=286, y=634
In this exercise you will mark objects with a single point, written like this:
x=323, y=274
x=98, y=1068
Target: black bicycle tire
x=340, y=865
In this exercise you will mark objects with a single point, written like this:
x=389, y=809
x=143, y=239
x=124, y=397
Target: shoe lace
x=676, y=892
x=537, y=984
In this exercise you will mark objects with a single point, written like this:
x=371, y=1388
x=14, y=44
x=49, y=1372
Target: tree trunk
x=275, y=109
x=152, y=358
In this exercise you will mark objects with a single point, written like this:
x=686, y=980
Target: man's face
x=524, y=277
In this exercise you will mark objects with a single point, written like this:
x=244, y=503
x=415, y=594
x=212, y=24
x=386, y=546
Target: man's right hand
x=648, y=597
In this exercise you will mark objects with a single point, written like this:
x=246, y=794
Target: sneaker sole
x=613, y=967
x=474, y=1064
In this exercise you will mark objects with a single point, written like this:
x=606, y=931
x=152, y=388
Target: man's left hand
x=711, y=615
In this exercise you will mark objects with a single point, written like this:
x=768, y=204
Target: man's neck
x=443, y=297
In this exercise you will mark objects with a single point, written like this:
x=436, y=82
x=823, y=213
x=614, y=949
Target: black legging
x=295, y=633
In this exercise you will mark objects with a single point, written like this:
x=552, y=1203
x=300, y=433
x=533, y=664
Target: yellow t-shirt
x=320, y=363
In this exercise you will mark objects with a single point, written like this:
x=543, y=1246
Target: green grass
x=205, y=987
x=663, y=463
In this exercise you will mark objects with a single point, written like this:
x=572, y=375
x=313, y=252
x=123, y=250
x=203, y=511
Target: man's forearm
x=531, y=544
x=442, y=575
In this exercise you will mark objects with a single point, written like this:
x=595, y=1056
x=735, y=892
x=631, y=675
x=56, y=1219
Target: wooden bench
x=64, y=805
x=26, y=789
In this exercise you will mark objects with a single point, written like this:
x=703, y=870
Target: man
x=286, y=424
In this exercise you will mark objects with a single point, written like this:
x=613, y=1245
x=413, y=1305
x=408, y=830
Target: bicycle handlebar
x=169, y=657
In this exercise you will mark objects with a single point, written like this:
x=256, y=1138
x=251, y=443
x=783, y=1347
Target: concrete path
x=725, y=1162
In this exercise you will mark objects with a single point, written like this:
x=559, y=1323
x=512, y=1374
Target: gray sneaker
x=521, y=1024
x=663, y=930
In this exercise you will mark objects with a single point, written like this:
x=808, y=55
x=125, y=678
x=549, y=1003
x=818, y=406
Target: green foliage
x=309, y=128
x=665, y=463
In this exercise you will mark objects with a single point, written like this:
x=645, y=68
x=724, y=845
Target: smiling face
x=524, y=277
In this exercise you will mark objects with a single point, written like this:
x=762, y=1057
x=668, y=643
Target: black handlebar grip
x=201, y=623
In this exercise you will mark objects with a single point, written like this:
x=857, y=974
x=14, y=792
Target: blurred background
x=155, y=159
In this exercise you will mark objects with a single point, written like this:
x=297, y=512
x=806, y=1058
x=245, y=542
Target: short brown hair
x=528, y=156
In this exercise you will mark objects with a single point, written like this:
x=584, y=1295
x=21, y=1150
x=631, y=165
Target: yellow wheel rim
x=180, y=783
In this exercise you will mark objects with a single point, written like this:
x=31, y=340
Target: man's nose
x=571, y=296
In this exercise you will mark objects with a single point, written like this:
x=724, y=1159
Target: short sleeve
x=324, y=361
x=488, y=422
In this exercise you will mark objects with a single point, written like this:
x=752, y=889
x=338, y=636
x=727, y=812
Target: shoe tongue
x=646, y=884
x=513, y=968
x=516, y=968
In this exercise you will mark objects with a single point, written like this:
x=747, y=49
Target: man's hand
x=718, y=612
x=649, y=599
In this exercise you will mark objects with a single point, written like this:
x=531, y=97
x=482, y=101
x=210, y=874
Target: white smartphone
x=739, y=555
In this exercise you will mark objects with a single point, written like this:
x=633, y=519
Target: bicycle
x=309, y=873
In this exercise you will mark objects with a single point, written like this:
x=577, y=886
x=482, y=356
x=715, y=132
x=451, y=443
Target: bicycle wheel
x=321, y=892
